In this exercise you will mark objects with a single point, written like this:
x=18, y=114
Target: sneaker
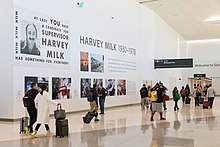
x=165, y=109
x=162, y=118
x=34, y=134
x=27, y=131
x=49, y=133
x=96, y=119
x=151, y=119
x=101, y=113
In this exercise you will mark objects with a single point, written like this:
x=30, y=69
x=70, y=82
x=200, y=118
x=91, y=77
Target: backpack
x=26, y=101
x=89, y=96
x=144, y=92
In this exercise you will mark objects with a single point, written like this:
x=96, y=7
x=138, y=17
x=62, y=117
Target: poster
x=61, y=88
x=121, y=87
x=40, y=80
x=41, y=40
x=98, y=81
x=84, y=61
x=97, y=63
x=85, y=86
x=110, y=87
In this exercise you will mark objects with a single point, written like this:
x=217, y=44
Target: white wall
x=6, y=60
x=205, y=53
x=132, y=25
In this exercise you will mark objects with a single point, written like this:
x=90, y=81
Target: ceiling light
x=214, y=20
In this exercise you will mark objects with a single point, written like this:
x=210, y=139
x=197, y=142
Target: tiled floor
x=128, y=127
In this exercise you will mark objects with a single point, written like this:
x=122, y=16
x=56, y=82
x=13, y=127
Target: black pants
x=197, y=101
x=183, y=98
x=38, y=126
x=32, y=111
x=176, y=104
x=210, y=100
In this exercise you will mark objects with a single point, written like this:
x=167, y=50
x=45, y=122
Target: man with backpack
x=92, y=96
x=144, y=95
x=29, y=103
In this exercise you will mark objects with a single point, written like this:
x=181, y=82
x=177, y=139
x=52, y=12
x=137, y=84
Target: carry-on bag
x=187, y=101
x=59, y=113
x=205, y=105
x=89, y=116
x=23, y=124
x=62, y=127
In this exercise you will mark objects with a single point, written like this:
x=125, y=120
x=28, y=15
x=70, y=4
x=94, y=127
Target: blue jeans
x=164, y=104
x=102, y=103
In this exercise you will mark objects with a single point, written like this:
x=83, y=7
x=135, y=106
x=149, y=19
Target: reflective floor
x=129, y=127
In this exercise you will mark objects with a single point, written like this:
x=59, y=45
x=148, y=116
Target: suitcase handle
x=59, y=107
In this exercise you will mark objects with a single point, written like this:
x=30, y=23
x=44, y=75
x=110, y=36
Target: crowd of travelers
x=154, y=98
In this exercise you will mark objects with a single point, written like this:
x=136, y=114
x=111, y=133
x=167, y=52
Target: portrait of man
x=84, y=61
x=29, y=45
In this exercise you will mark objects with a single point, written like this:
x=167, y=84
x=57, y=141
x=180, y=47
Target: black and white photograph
x=40, y=80
x=43, y=81
x=61, y=88
x=29, y=42
x=27, y=82
x=98, y=81
x=85, y=86
x=110, y=87
x=97, y=63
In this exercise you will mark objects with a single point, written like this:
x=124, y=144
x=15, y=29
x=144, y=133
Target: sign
x=173, y=63
x=199, y=75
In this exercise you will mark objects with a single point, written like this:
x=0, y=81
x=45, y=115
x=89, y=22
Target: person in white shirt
x=210, y=95
x=43, y=113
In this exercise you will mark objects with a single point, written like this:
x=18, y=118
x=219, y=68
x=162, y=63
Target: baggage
x=23, y=124
x=59, y=113
x=62, y=127
x=187, y=101
x=89, y=116
x=201, y=100
x=205, y=104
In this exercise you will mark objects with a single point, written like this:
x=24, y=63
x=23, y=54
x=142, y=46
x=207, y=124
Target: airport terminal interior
x=110, y=73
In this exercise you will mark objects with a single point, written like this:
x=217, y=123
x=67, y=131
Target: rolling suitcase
x=187, y=101
x=23, y=124
x=62, y=127
x=201, y=100
x=205, y=105
x=89, y=116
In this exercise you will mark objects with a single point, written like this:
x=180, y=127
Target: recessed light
x=214, y=20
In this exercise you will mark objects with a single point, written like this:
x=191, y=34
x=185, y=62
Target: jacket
x=43, y=108
x=101, y=93
x=31, y=94
x=210, y=92
x=143, y=92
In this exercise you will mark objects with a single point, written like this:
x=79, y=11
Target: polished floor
x=129, y=127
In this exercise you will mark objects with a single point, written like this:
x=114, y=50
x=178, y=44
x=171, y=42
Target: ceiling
x=188, y=17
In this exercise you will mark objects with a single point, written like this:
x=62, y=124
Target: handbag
x=59, y=113
x=153, y=96
x=166, y=97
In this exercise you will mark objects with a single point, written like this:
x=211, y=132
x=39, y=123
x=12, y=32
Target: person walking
x=187, y=90
x=211, y=95
x=93, y=96
x=42, y=103
x=144, y=95
x=102, y=95
x=159, y=88
x=176, y=98
x=29, y=103
x=183, y=94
